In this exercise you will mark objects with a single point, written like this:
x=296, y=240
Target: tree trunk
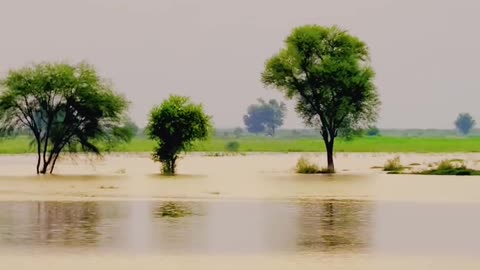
x=172, y=164
x=168, y=166
x=47, y=162
x=329, y=146
x=39, y=158
x=53, y=163
x=44, y=168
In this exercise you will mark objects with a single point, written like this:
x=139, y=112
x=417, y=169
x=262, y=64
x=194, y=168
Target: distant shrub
x=372, y=131
x=232, y=146
x=393, y=164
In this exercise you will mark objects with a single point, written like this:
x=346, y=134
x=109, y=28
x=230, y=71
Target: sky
x=425, y=52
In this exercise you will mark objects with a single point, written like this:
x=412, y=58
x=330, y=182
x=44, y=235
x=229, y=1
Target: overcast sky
x=425, y=52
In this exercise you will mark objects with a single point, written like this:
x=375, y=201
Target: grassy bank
x=263, y=144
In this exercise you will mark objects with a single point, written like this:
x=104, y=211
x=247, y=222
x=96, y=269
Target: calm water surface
x=242, y=227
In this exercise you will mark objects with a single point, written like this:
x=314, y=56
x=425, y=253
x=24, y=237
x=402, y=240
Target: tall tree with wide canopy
x=66, y=107
x=326, y=71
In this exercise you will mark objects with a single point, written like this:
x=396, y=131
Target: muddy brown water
x=242, y=212
x=242, y=227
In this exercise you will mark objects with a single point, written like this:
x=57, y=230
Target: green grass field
x=263, y=144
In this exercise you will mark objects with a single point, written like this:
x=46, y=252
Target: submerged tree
x=65, y=107
x=464, y=123
x=326, y=71
x=175, y=125
x=265, y=116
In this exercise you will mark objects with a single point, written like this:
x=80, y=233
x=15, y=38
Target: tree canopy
x=64, y=107
x=464, y=123
x=175, y=125
x=265, y=116
x=326, y=71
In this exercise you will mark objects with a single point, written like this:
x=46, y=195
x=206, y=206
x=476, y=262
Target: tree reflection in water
x=43, y=223
x=335, y=226
x=190, y=227
x=69, y=223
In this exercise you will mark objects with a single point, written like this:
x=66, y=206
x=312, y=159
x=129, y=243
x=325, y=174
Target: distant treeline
x=312, y=133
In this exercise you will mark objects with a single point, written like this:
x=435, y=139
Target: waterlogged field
x=265, y=144
x=237, y=212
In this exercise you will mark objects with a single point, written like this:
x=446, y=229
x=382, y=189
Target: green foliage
x=65, y=107
x=232, y=146
x=265, y=116
x=304, y=166
x=451, y=167
x=393, y=165
x=464, y=123
x=326, y=71
x=121, y=134
x=173, y=210
x=132, y=128
x=175, y=125
x=449, y=164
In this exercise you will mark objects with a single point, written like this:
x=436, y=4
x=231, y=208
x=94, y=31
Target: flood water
x=242, y=227
x=241, y=212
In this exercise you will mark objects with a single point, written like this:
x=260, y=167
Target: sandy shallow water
x=255, y=176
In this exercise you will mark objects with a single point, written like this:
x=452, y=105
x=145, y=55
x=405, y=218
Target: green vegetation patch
x=393, y=165
x=173, y=210
x=21, y=145
x=453, y=171
x=232, y=146
x=305, y=166
x=450, y=167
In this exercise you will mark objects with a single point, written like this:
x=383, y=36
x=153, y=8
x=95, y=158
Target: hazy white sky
x=425, y=52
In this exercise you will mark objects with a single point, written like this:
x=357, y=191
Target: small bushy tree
x=232, y=146
x=65, y=107
x=464, y=123
x=175, y=125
